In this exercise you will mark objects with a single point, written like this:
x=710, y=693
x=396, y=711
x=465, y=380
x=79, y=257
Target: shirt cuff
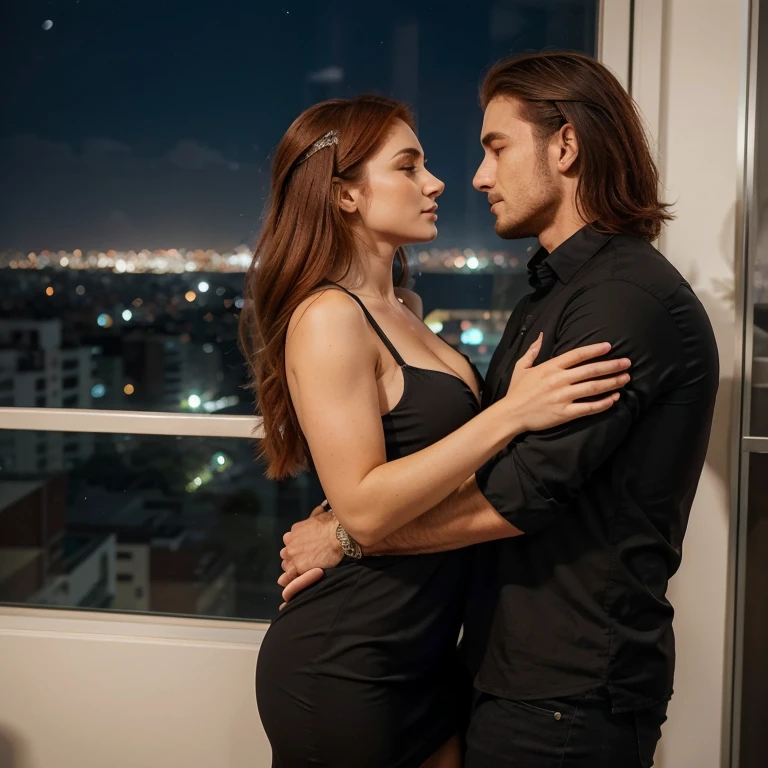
x=513, y=494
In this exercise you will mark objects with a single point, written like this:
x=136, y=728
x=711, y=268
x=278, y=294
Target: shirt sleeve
x=536, y=477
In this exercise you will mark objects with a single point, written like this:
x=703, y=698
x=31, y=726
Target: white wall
x=135, y=692
x=701, y=73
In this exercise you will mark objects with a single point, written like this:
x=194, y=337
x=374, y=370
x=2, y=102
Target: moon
x=47, y=24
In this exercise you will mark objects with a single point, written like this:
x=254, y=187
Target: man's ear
x=568, y=148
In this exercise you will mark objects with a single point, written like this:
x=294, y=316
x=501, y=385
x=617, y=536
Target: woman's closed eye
x=413, y=168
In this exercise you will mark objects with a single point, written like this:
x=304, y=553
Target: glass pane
x=753, y=553
x=759, y=249
x=755, y=659
x=142, y=523
x=136, y=139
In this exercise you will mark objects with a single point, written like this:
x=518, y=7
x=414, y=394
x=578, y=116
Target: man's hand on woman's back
x=310, y=546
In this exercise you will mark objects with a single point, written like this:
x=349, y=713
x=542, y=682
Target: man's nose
x=484, y=178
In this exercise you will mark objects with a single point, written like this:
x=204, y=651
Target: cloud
x=193, y=156
x=31, y=152
x=98, y=149
x=106, y=194
x=328, y=75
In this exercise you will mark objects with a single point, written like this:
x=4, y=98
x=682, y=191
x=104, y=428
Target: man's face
x=518, y=173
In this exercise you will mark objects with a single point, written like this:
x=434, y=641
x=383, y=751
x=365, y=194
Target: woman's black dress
x=361, y=670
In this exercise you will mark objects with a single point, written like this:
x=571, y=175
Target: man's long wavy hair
x=306, y=240
x=618, y=185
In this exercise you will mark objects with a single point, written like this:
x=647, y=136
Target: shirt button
x=558, y=716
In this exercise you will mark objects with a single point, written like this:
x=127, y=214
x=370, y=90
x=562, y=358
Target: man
x=568, y=630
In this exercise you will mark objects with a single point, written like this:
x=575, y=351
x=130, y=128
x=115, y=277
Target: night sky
x=149, y=124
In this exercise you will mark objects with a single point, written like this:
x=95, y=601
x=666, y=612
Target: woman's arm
x=331, y=360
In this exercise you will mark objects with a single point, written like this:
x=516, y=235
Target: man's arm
x=464, y=518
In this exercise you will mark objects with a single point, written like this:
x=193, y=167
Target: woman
x=360, y=670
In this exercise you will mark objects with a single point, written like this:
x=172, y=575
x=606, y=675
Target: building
x=158, y=566
x=474, y=332
x=41, y=563
x=38, y=370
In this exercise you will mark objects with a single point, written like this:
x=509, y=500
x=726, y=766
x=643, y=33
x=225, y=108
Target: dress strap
x=376, y=327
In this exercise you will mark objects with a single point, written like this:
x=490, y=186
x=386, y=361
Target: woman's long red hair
x=305, y=241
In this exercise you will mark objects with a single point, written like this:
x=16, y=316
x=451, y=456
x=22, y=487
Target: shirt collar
x=569, y=257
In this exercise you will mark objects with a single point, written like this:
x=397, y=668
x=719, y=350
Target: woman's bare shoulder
x=327, y=308
x=332, y=321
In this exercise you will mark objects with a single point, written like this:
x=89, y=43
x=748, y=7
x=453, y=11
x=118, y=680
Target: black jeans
x=578, y=732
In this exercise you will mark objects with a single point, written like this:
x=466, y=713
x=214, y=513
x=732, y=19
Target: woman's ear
x=347, y=196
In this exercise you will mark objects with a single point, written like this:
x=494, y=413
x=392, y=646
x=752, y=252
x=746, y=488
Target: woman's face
x=397, y=203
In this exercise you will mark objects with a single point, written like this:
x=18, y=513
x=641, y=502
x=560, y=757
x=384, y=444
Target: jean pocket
x=508, y=733
x=553, y=709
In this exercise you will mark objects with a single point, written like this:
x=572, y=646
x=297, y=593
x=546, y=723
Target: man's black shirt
x=579, y=602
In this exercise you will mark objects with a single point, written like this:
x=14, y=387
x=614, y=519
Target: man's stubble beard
x=535, y=220
x=516, y=230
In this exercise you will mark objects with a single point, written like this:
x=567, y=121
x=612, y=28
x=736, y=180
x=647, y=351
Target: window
x=126, y=240
x=200, y=518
